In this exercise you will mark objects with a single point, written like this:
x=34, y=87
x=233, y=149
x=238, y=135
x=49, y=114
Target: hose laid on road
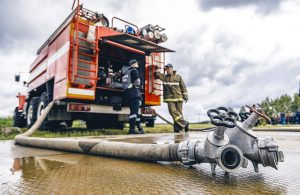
x=141, y=152
x=163, y=118
x=132, y=151
x=188, y=152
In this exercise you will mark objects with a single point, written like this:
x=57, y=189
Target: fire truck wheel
x=32, y=111
x=43, y=102
x=91, y=124
x=19, y=119
x=120, y=125
x=150, y=123
x=52, y=125
x=69, y=123
x=111, y=122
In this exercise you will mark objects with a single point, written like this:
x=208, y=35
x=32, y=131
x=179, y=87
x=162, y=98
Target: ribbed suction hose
x=39, y=121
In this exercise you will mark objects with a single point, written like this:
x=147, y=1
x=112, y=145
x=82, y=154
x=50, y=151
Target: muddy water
x=35, y=171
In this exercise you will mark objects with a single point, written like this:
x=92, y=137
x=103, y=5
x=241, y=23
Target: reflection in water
x=74, y=173
x=17, y=165
x=86, y=174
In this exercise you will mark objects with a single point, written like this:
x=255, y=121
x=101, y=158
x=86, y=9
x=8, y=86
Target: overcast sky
x=229, y=52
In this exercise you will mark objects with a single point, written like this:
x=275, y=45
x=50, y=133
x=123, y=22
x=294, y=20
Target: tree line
x=284, y=103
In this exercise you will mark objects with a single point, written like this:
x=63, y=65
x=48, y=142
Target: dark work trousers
x=134, y=118
x=175, y=109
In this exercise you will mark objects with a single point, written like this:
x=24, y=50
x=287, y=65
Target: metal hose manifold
x=259, y=150
x=229, y=157
x=216, y=149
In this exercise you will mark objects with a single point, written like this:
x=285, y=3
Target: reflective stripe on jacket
x=126, y=77
x=174, y=87
x=131, y=83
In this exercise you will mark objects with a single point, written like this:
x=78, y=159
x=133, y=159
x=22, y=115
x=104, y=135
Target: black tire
x=105, y=122
x=92, y=124
x=150, y=123
x=31, y=113
x=53, y=125
x=69, y=124
x=19, y=119
x=258, y=122
x=43, y=103
x=119, y=125
x=111, y=122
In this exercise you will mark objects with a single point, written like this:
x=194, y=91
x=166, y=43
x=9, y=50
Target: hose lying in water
x=213, y=151
x=148, y=152
x=140, y=152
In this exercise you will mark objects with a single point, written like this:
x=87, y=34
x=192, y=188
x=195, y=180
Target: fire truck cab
x=79, y=67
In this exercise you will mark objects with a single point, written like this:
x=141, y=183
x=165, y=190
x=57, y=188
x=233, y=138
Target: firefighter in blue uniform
x=132, y=95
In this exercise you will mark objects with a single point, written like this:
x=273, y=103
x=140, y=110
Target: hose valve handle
x=259, y=112
x=222, y=117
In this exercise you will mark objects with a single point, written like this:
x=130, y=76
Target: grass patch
x=79, y=130
x=276, y=126
x=8, y=137
x=6, y=122
x=7, y=132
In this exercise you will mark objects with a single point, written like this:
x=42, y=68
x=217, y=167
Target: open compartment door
x=153, y=87
x=135, y=43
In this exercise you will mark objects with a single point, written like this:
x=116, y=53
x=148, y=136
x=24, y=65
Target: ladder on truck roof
x=84, y=57
x=83, y=12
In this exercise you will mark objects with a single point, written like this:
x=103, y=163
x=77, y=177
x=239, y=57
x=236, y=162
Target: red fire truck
x=78, y=68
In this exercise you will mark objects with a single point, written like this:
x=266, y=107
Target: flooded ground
x=25, y=170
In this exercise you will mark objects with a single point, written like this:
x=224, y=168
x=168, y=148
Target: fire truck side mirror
x=17, y=77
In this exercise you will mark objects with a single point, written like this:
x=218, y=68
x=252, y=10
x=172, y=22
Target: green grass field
x=79, y=130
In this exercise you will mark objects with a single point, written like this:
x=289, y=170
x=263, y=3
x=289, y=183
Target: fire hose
x=224, y=146
x=170, y=123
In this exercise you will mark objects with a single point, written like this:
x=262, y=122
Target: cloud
x=26, y=24
x=230, y=53
x=261, y=6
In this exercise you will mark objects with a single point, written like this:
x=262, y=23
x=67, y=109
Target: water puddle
x=47, y=172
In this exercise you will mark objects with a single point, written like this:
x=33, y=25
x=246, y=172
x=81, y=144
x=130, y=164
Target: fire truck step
x=84, y=47
x=80, y=34
x=87, y=62
x=82, y=57
x=84, y=24
x=87, y=70
x=86, y=44
x=88, y=55
x=82, y=82
x=84, y=39
x=87, y=66
x=85, y=77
